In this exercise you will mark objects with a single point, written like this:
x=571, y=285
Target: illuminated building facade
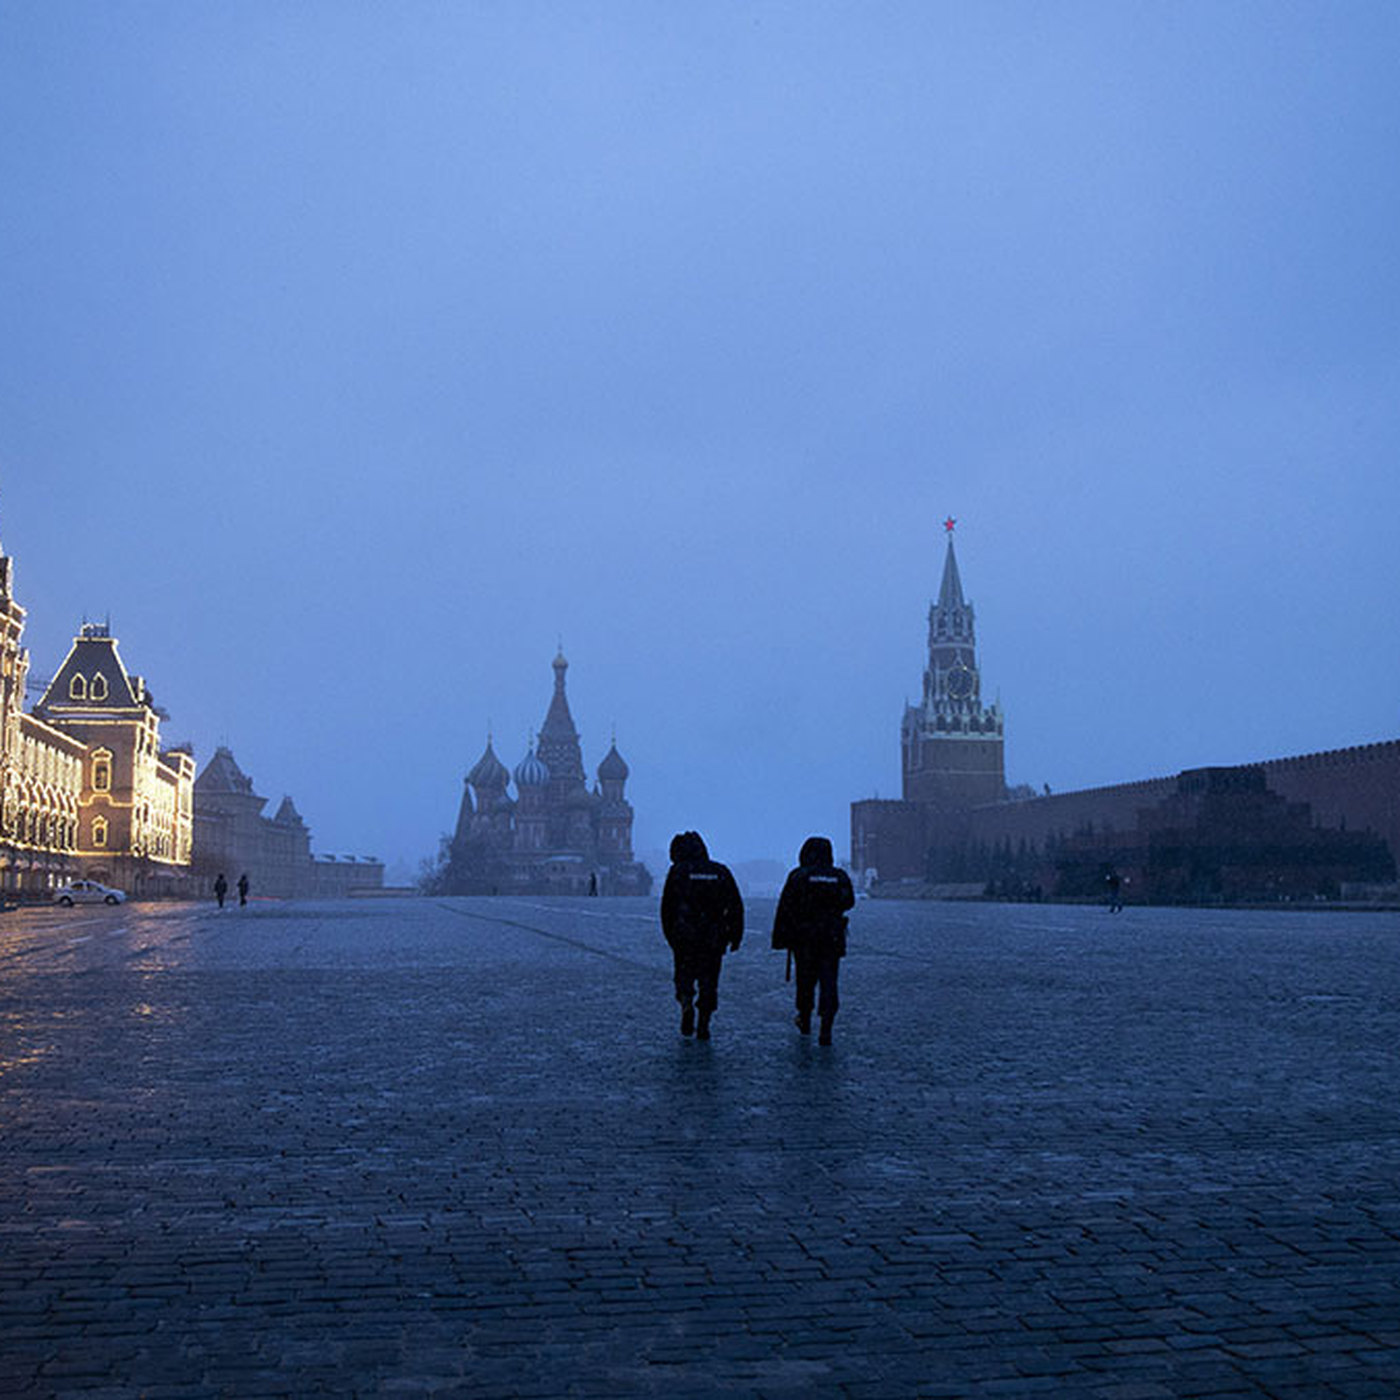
x=232, y=837
x=86, y=790
x=41, y=770
x=555, y=836
x=135, y=811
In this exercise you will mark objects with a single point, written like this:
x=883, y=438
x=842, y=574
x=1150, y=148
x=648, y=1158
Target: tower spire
x=950, y=592
x=952, y=742
x=558, y=744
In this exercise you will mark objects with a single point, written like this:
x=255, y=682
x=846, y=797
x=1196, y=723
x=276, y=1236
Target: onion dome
x=490, y=772
x=612, y=768
x=530, y=771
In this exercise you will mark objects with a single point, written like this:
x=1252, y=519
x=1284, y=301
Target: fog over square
x=357, y=358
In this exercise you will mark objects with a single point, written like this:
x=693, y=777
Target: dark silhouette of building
x=951, y=744
x=555, y=836
x=951, y=752
x=1283, y=828
x=1222, y=836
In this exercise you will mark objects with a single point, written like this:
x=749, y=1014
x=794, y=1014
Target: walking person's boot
x=702, y=1028
x=803, y=1022
x=825, y=1037
x=687, y=1017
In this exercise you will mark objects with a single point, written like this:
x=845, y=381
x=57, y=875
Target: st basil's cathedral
x=554, y=836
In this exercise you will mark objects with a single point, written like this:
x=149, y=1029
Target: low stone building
x=232, y=837
x=338, y=877
x=1221, y=836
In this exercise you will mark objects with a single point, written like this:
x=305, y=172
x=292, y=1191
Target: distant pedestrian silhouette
x=243, y=889
x=701, y=915
x=810, y=923
x=592, y=882
x=1115, y=892
x=220, y=889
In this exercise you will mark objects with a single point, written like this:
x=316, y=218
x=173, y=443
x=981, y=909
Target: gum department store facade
x=1283, y=828
x=86, y=790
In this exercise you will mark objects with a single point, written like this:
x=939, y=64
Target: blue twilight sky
x=355, y=354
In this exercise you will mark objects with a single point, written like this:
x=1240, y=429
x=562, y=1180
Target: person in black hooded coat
x=701, y=915
x=811, y=923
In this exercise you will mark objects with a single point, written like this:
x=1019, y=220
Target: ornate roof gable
x=92, y=677
x=222, y=774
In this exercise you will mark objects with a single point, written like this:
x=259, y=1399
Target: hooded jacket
x=812, y=907
x=700, y=904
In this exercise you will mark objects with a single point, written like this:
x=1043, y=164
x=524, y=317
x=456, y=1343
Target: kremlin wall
x=1297, y=828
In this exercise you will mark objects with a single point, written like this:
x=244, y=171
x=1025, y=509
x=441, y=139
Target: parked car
x=87, y=892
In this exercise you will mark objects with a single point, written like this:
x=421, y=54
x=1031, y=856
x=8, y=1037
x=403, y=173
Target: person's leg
x=830, y=995
x=806, y=966
x=709, y=966
x=685, y=987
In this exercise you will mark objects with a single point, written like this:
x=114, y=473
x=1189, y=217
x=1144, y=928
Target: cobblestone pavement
x=458, y=1147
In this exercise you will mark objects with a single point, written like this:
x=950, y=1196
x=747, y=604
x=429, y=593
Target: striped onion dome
x=531, y=771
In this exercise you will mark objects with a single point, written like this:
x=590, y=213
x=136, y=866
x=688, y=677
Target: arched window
x=98, y=689
x=99, y=831
x=77, y=688
x=102, y=771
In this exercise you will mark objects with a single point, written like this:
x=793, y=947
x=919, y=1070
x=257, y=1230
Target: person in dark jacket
x=243, y=889
x=1113, y=882
x=811, y=924
x=220, y=889
x=701, y=915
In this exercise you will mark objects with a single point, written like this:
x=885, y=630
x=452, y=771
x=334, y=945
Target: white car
x=87, y=892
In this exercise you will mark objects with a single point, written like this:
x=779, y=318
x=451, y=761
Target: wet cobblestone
x=457, y=1148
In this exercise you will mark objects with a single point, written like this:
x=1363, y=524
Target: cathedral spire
x=558, y=742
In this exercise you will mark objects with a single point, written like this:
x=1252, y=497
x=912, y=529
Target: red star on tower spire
x=948, y=524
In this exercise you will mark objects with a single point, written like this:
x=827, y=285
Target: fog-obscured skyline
x=358, y=356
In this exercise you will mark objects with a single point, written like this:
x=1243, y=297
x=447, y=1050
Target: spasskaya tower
x=951, y=743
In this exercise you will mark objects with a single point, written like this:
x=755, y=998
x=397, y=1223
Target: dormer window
x=98, y=689
x=102, y=771
x=77, y=688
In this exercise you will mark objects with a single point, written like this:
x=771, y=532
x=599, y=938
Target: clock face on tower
x=959, y=682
